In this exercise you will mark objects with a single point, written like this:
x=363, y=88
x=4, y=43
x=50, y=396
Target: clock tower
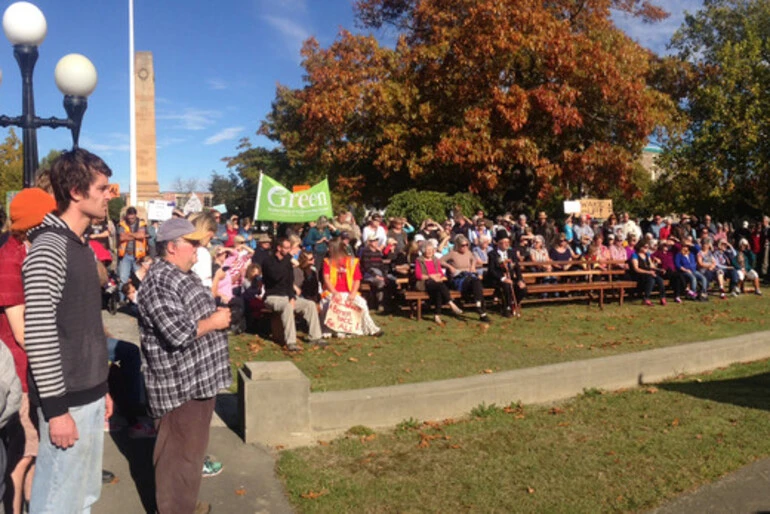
x=146, y=146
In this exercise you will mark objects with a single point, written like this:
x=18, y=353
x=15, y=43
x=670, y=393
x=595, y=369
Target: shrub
x=418, y=205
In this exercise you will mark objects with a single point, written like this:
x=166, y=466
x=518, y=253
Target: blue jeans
x=126, y=266
x=696, y=277
x=130, y=359
x=70, y=481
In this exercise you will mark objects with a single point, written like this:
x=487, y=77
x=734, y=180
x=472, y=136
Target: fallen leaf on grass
x=323, y=443
x=556, y=410
x=530, y=490
x=352, y=359
x=312, y=495
x=651, y=390
x=455, y=446
x=280, y=447
x=370, y=354
x=240, y=492
x=675, y=423
x=488, y=371
x=368, y=438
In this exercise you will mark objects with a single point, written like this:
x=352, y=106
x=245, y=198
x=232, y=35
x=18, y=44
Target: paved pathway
x=247, y=484
x=747, y=491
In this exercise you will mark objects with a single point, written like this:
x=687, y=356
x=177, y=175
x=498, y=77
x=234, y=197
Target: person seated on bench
x=724, y=255
x=280, y=296
x=744, y=264
x=617, y=251
x=341, y=282
x=647, y=275
x=462, y=267
x=539, y=253
x=376, y=274
x=432, y=279
x=562, y=254
x=504, y=274
x=664, y=259
x=686, y=265
x=707, y=265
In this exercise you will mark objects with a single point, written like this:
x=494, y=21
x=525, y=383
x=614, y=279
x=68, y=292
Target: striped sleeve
x=44, y=273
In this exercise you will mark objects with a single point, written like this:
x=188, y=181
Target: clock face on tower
x=143, y=74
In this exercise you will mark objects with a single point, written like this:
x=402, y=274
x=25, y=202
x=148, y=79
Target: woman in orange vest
x=342, y=279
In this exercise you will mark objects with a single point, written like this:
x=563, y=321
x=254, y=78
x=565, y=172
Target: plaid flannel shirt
x=177, y=365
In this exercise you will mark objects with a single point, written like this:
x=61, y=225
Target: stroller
x=111, y=288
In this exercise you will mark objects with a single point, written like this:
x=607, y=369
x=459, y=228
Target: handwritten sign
x=345, y=318
x=596, y=208
x=114, y=190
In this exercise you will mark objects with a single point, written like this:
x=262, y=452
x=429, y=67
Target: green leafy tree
x=11, y=165
x=236, y=192
x=114, y=207
x=721, y=164
x=48, y=159
x=419, y=205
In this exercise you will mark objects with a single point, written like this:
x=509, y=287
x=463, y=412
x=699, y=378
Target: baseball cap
x=174, y=228
x=29, y=207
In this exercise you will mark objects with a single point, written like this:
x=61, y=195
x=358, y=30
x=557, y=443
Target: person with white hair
x=461, y=265
x=744, y=262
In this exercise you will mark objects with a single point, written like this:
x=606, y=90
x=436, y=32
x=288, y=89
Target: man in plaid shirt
x=184, y=344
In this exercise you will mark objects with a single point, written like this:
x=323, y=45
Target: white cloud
x=192, y=119
x=217, y=84
x=168, y=141
x=293, y=33
x=113, y=142
x=224, y=135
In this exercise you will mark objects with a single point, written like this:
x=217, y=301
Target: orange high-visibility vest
x=140, y=247
x=350, y=271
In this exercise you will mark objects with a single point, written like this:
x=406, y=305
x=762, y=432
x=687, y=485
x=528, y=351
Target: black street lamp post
x=25, y=27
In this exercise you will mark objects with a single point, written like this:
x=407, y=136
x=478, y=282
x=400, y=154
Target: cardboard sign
x=596, y=208
x=221, y=208
x=114, y=190
x=159, y=210
x=571, y=207
x=341, y=317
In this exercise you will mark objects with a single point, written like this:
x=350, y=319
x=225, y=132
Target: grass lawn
x=600, y=452
x=412, y=351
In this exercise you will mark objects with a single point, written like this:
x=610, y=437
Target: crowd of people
x=302, y=268
x=57, y=359
x=193, y=278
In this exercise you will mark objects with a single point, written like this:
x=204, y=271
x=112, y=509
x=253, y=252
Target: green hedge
x=417, y=205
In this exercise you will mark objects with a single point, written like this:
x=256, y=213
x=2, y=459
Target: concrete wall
x=274, y=401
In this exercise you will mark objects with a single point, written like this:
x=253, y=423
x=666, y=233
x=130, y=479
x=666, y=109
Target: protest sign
x=193, y=205
x=596, y=208
x=159, y=210
x=276, y=203
x=571, y=207
x=344, y=318
x=221, y=208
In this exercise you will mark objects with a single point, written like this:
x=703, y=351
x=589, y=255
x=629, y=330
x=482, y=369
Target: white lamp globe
x=75, y=75
x=24, y=24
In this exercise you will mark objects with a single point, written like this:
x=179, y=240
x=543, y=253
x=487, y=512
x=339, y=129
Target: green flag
x=276, y=203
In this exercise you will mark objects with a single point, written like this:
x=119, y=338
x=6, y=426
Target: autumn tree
x=11, y=165
x=721, y=163
x=517, y=100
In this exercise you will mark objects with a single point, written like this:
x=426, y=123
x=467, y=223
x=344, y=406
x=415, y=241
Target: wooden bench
x=415, y=298
x=583, y=279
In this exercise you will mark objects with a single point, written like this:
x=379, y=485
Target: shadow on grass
x=752, y=391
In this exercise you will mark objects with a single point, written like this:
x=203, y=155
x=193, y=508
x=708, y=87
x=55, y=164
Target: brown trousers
x=183, y=435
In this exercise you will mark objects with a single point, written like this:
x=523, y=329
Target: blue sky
x=216, y=66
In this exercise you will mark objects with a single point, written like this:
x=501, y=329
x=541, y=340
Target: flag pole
x=256, y=203
x=132, y=104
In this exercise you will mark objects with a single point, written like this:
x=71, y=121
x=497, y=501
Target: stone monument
x=146, y=146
